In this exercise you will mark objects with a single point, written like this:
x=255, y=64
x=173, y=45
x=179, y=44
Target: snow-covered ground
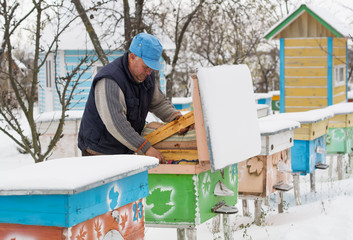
x=326, y=214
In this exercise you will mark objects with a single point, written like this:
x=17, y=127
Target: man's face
x=138, y=69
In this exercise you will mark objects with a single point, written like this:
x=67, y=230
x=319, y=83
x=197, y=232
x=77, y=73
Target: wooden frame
x=202, y=150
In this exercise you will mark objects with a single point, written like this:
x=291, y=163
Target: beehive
x=313, y=59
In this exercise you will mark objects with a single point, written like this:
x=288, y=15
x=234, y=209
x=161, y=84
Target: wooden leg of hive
x=330, y=167
x=280, y=202
x=226, y=228
x=340, y=166
x=312, y=182
x=191, y=233
x=180, y=233
x=296, y=188
x=350, y=163
x=258, y=204
x=246, y=211
x=216, y=221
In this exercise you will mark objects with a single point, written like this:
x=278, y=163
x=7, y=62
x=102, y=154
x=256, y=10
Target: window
x=340, y=75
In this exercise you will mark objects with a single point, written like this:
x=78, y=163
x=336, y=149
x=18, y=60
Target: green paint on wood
x=179, y=199
x=339, y=140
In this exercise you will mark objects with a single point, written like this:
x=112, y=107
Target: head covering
x=147, y=47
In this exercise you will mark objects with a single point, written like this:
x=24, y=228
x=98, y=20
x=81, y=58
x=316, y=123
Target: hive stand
x=339, y=138
x=89, y=198
x=263, y=175
x=185, y=195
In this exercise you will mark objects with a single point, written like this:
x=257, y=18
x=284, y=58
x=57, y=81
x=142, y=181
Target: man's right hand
x=152, y=152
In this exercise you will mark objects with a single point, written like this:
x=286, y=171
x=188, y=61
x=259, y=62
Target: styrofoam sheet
x=230, y=114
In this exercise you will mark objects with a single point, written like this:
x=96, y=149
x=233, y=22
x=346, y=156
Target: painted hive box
x=201, y=172
x=339, y=138
x=57, y=200
x=262, y=175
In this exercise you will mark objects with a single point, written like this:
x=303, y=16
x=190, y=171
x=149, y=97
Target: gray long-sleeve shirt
x=111, y=106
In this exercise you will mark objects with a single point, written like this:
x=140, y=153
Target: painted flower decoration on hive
x=255, y=165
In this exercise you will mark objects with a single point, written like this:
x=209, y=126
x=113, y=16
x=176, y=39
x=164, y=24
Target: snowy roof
x=322, y=15
x=312, y=116
x=55, y=115
x=72, y=175
x=275, y=93
x=270, y=126
x=263, y=95
x=341, y=108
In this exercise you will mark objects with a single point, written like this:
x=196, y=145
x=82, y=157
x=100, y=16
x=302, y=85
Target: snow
x=263, y=95
x=325, y=15
x=341, y=108
x=228, y=105
x=275, y=93
x=272, y=126
x=323, y=215
x=65, y=175
x=55, y=116
x=181, y=100
x=311, y=116
x=333, y=21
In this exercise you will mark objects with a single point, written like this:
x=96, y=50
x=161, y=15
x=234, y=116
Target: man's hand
x=152, y=152
x=184, y=130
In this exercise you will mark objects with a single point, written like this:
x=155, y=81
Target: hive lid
x=230, y=114
x=307, y=117
x=72, y=175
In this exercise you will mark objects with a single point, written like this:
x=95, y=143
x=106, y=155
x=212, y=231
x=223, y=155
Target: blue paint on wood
x=304, y=156
x=281, y=77
x=69, y=210
x=182, y=106
x=329, y=71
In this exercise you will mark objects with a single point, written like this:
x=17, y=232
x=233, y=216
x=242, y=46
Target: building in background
x=313, y=59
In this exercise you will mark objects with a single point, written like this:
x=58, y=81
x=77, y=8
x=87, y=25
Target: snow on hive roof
x=263, y=95
x=72, y=175
x=322, y=15
x=270, y=126
x=312, y=116
x=341, y=108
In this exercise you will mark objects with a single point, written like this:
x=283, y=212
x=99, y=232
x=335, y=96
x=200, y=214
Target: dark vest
x=138, y=96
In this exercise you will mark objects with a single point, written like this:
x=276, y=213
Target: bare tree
x=175, y=19
x=40, y=14
x=91, y=32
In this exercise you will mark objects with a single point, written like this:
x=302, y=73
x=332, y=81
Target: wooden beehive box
x=262, y=175
x=309, y=148
x=76, y=198
x=339, y=138
x=183, y=195
x=313, y=57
